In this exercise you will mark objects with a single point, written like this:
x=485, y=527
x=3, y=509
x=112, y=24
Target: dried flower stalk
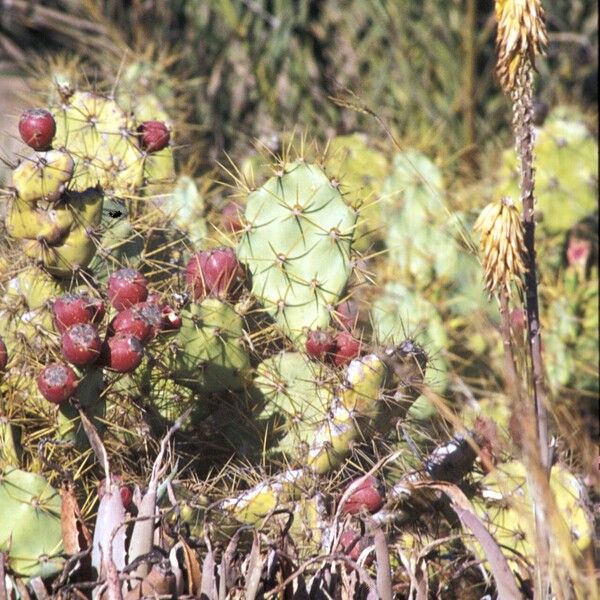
x=520, y=39
x=501, y=246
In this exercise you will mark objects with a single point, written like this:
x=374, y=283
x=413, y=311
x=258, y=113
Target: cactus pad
x=297, y=244
x=210, y=355
x=32, y=536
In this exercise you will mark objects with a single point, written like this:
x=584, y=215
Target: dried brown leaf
x=76, y=536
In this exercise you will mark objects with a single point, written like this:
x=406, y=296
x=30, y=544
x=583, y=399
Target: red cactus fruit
x=37, y=128
x=214, y=272
x=152, y=312
x=194, y=275
x=126, y=496
x=171, y=320
x=132, y=321
x=154, y=135
x=319, y=343
x=127, y=287
x=3, y=355
x=367, y=496
x=230, y=218
x=123, y=353
x=346, y=314
x=353, y=545
x=72, y=309
x=124, y=490
x=81, y=344
x=347, y=348
x=57, y=382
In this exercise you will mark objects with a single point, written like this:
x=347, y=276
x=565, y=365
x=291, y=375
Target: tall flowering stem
x=521, y=38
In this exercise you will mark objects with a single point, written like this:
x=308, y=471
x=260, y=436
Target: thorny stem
x=522, y=98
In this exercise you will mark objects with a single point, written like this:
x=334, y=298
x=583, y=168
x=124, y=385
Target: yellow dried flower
x=501, y=245
x=521, y=36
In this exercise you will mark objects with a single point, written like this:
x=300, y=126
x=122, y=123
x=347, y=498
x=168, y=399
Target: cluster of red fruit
x=214, y=273
x=341, y=348
x=38, y=127
x=141, y=316
x=218, y=273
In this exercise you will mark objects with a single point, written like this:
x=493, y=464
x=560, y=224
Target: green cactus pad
x=297, y=246
x=297, y=393
x=159, y=172
x=210, y=355
x=102, y=139
x=75, y=252
x=34, y=287
x=44, y=176
x=419, y=240
x=119, y=245
x=362, y=170
x=505, y=507
x=185, y=207
x=32, y=536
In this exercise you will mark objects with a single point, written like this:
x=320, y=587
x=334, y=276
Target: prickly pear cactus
x=297, y=246
x=505, y=507
x=296, y=393
x=566, y=173
x=210, y=354
x=25, y=316
x=57, y=205
x=571, y=339
x=185, y=208
x=30, y=530
x=401, y=312
x=419, y=239
x=362, y=169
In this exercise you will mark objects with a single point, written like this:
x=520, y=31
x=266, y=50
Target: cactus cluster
x=252, y=323
x=91, y=149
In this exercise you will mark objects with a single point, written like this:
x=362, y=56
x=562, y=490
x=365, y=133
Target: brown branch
x=522, y=97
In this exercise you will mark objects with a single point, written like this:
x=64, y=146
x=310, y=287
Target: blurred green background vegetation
x=243, y=69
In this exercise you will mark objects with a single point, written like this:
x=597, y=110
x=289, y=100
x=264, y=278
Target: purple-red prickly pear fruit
x=127, y=287
x=57, y=382
x=37, y=128
x=319, y=343
x=154, y=135
x=81, y=344
x=122, y=353
x=367, y=496
x=347, y=348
